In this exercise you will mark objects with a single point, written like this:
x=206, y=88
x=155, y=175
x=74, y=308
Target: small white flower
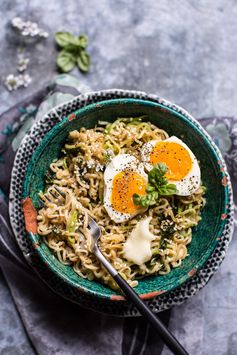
x=14, y=82
x=11, y=82
x=22, y=64
x=28, y=28
x=25, y=32
x=33, y=25
x=17, y=22
x=26, y=80
x=44, y=34
x=20, y=80
x=35, y=32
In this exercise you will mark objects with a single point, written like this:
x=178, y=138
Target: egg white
x=120, y=163
x=188, y=184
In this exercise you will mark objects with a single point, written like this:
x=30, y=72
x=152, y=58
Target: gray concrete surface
x=183, y=50
x=13, y=340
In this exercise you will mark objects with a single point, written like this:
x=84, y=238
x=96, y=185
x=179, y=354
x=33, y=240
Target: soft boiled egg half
x=183, y=169
x=124, y=176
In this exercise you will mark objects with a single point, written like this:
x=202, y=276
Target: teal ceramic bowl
x=214, y=176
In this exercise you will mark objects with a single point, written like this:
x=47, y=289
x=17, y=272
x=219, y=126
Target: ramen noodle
x=79, y=173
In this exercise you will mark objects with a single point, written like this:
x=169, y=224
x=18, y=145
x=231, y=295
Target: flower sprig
x=28, y=28
x=157, y=186
x=13, y=82
x=73, y=52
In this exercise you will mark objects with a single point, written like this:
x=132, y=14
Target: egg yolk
x=125, y=185
x=176, y=158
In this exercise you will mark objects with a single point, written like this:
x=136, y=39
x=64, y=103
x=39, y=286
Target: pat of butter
x=137, y=248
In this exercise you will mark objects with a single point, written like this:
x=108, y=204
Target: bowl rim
x=189, y=120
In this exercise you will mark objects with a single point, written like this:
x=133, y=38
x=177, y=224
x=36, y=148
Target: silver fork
x=128, y=291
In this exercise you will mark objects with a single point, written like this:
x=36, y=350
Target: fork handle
x=162, y=330
x=131, y=295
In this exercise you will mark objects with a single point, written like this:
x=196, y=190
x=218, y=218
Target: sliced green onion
x=65, y=163
x=72, y=223
x=71, y=240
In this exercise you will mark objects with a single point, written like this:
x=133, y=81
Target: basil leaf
x=82, y=41
x=79, y=42
x=83, y=61
x=161, y=168
x=72, y=48
x=153, y=197
x=157, y=186
x=166, y=190
x=146, y=200
x=66, y=61
x=136, y=199
x=150, y=188
x=156, y=175
x=141, y=200
x=64, y=38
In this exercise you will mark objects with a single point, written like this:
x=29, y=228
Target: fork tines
x=56, y=197
x=60, y=192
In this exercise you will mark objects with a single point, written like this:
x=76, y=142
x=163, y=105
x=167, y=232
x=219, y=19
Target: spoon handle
x=132, y=296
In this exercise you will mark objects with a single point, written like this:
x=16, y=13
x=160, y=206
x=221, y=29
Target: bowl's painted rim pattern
x=30, y=143
x=31, y=212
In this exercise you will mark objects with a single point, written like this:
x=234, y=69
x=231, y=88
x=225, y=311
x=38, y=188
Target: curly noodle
x=79, y=174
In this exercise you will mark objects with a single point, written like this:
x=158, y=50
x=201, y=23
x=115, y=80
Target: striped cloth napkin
x=53, y=324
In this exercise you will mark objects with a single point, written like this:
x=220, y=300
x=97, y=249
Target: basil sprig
x=157, y=186
x=73, y=52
